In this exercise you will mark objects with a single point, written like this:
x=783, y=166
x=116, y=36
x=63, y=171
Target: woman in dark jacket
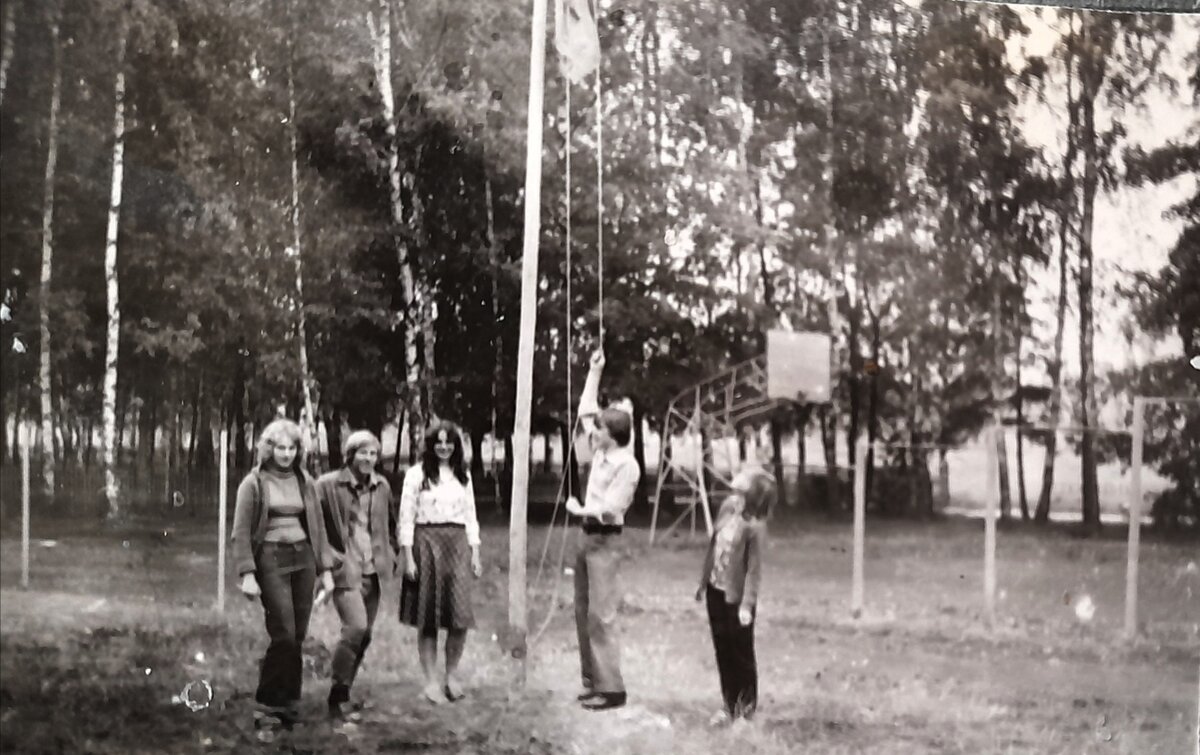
x=729, y=583
x=279, y=548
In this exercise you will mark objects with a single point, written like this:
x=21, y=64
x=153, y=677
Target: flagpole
x=517, y=613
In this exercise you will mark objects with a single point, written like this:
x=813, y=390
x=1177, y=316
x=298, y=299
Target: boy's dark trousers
x=734, y=645
x=356, y=607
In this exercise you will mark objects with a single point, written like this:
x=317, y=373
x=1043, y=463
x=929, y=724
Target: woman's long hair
x=282, y=430
x=429, y=459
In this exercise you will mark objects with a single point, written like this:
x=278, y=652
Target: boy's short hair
x=618, y=424
x=356, y=440
x=760, y=494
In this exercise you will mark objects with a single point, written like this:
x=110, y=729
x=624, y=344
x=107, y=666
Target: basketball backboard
x=798, y=366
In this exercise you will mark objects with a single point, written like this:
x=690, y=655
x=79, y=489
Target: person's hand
x=574, y=507
x=410, y=568
x=476, y=563
x=700, y=593
x=324, y=589
x=745, y=616
x=249, y=586
x=598, y=359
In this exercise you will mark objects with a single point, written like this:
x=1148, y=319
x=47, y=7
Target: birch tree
x=9, y=42
x=310, y=407
x=411, y=306
x=112, y=280
x=44, y=373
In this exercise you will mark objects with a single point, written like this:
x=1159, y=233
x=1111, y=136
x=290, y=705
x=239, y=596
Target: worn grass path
x=121, y=622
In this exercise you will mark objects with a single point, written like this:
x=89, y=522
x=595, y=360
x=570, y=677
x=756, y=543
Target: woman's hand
x=327, y=582
x=598, y=359
x=700, y=593
x=249, y=586
x=410, y=568
x=476, y=563
x=745, y=616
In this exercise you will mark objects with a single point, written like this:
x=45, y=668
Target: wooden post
x=992, y=503
x=222, y=507
x=860, y=514
x=518, y=618
x=1135, y=518
x=23, y=433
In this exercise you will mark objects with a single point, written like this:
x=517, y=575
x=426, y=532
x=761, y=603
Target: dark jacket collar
x=346, y=477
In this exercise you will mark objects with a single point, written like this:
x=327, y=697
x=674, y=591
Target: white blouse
x=446, y=501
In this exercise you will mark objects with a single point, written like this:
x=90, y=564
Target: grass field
x=119, y=622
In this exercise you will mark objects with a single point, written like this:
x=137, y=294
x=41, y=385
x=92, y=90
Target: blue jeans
x=287, y=573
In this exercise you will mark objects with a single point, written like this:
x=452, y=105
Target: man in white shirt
x=612, y=482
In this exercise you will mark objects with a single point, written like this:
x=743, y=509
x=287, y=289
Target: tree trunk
x=506, y=476
x=238, y=408
x=1042, y=513
x=399, y=441
x=194, y=424
x=873, y=395
x=639, y=453
x=498, y=333
x=112, y=341
x=89, y=452
x=1090, y=85
x=333, y=435
x=997, y=398
x=777, y=460
x=10, y=44
x=1020, y=406
x=411, y=306
x=310, y=423
x=833, y=500
x=803, y=416
x=46, y=347
x=477, y=473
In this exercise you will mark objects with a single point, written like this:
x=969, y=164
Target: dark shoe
x=604, y=701
x=267, y=726
x=339, y=693
x=585, y=694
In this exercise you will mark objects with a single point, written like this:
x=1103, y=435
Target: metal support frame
x=718, y=405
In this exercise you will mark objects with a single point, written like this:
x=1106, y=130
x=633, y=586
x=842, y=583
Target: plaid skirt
x=440, y=596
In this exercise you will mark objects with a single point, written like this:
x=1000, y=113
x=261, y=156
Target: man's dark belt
x=595, y=528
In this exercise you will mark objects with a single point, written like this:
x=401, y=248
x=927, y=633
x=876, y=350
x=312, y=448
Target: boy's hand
x=598, y=359
x=699, y=593
x=574, y=507
x=745, y=616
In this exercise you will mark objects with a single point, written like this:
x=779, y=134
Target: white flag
x=576, y=38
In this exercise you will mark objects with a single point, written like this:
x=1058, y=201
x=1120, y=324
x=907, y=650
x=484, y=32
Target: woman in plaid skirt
x=439, y=532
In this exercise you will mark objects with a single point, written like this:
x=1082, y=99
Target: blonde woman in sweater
x=279, y=549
